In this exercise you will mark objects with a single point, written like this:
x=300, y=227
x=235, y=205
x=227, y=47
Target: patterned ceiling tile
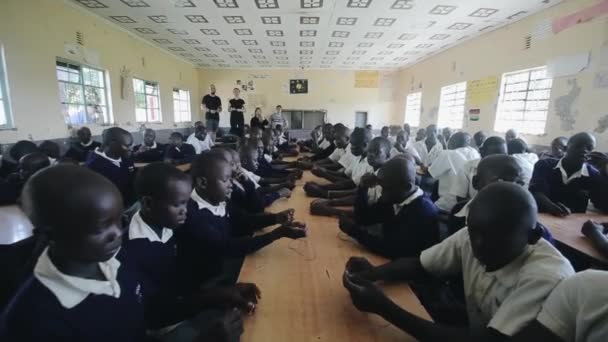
x=256, y=51
x=322, y=28
x=359, y=52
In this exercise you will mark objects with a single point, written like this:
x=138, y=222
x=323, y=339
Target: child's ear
x=200, y=182
x=146, y=202
x=475, y=182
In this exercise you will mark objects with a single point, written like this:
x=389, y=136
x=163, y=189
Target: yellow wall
x=33, y=34
x=331, y=90
x=502, y=51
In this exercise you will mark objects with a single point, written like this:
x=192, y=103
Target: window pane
x=151, y=89
x=140, y=115
x=140, y=101
x=75, y=114
x=138, y=85
x=151, y=101
x=94, y=95
x=2, y=113
x=153, y=115
x=71, y=93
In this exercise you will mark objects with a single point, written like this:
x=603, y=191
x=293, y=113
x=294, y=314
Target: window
x=181, y=105
x=524, y=101
x=303, y=119
x=413, y=106
x=147, y=101
x=83, y=92
x=451, y=105
x=5, y=113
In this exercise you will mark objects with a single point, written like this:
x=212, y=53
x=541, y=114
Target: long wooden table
x=567, y=230
x=301, y=282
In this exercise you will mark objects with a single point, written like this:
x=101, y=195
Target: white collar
x=139, y=229
x=103, y=154
x=87, y=144
x=71, y=290
x=153, y=146
x=397, y=207
x=464, y=212
x=218, y=210
x=583, y=172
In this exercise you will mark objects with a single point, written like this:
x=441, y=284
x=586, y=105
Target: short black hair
x=517, y=146
x=382, y=142
x=152, y=180
x=112, y=134
x=177, y=135
x=202, y=164
x=22, y=148
x=50, y=148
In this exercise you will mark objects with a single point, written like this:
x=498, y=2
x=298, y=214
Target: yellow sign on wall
x=482, y=92
x=366, y=79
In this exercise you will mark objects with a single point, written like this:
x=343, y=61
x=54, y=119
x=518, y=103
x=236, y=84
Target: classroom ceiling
x=334, y=34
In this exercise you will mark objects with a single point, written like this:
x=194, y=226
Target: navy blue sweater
x=79, y=152
x=183, y=155
x=265, y=169
x=10, y=189
x=325, y=153
x=123, y=176
x=150, y=156
x=35, y=314
x=577, y=193
x=406, y=234
x=206, y=240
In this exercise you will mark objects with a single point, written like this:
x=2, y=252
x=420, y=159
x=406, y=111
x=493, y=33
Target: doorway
x=360, y=119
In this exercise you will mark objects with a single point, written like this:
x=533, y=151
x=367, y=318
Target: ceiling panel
x=336, y=34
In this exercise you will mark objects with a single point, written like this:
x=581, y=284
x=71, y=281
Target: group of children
x=155, y=254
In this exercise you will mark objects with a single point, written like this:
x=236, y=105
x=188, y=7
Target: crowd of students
x=121, y=254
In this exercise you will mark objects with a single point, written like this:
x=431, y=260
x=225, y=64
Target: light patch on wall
x=564, y=104
x=602, y=124
x=432, y=114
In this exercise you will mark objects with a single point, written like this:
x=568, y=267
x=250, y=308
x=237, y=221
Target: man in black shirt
x=237, y=110
x=212, y=106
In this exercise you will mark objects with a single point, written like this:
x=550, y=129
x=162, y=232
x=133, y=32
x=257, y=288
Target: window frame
x=157, y=95
x=106, y=91
x=5, y=94
x=500, y=112
x=418, y=110
x=449, y=108
x=176, y=111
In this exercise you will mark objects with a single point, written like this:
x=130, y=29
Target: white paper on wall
x=567, y=65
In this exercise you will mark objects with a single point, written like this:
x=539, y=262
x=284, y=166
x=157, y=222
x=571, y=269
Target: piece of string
x=295, y=246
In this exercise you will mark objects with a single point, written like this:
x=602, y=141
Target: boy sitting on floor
x=408, y=218
x=341, y=141
x=518, y=148
x=10, y=188
x=79, y=150
x=284, y=146
x=178, y=152
x=150, y=151
x=403, y=145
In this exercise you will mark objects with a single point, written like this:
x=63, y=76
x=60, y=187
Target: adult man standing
x=212, y=106
x=277, y=118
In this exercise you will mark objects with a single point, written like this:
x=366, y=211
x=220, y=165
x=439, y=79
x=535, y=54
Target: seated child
x=408, y=218
x=269, y=167
x=463, y=187
x=393, y=130
x=596, y=232
x=249, y=161
x=315, y=138
x=478, y=138
x=325, y=147
x=574, y=312
x=378, y=153
x=341, y=140
x=150, y=151
x=112, y=160
x=10, y=188
x=564, y=186
x=207, y=238
x=558, y=148
x=200, y=140
x=51, y=150
x=80, y=149
x=402, y=145
x=508, y=271
x=448, y=165
x=518, y=148
x=384, y=132
x=178, y=152
x=420, y=134
x=164, y=192
x=17, y=151
x=285, y=148
x=429, y=147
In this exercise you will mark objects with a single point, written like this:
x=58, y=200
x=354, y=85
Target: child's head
x=79, y=210
x=279, y=109
x=257, y=143
x=407, y=128
x=402, y=137
x=50, y=148
x=341, y=136
x=501, y=223
x=559, y=146
x=84, y=135
x=328, y=132
x=163, y=192
x=479, y=137
x=511, y=134
x=235, y=160
x=498, y=168
x=397, y=177
x=279, y=130
x=149, y=137
x=22, y=148
x=447, y=133
x=459, y=140
x=212, y=176
x=200, y=132
x=579, y=146
x=359, y=140
x=420, y=134
x=258, y=112
x=255, y=132
x=177, y=139
x=431, y=132
x=384, y=132
x=378, y=152
x=268, y=139
x=198, y=123
x=393, y=130
x=517, y=146
x=31, y=163
x=249, y=157
x=116, y=142
x=493, y=145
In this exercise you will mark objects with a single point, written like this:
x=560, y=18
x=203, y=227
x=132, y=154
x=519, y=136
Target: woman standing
x=237, y=110
x=258, y=119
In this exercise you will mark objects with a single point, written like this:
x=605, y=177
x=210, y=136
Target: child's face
x=358, y=145
x=401, y=138
x=149, y=137
x=120, y=146
x=170, y=212
x=250, y=161
x=384, y=132
x=84, y=135
x=218, y=186
x=341, y=140
x=558, y=147
x=579, y=148
x=177, y=141
x=376, y=155
x=260, y=149
x=201, y=134
x=420, y=135
x=236, y=162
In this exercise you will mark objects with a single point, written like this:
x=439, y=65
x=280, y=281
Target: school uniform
x=200, y=145
x=155, y=153
x=265, y=168
x=463, y=181
x=574, y=192
x=375, y=192
x=526, y=162
x=327, y=149
x=428, y=156
x=337, y=154
x=407, y=228
x=448, y=164
x=180, y=155
x=577, y=310
x=347, y=159
x=10, y=189
x=79, y=151
x=54, y=306
x=507, y=299
x=360, y=168
x=119, y=171
x=206, y=241
x=409, y=148
x=245, y=196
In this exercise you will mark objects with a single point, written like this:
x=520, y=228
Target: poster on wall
x=366, y=79
x=298, y=86
x=482, y=92
x=474, y=114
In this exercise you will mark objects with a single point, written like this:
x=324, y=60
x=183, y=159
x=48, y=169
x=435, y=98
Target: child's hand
x=356, y=265
x=294, y=231
x=286, y=216
x=558, y=209
x=591, y=228
x=249, y=292
x=366, y=296
x=240, y=176
x=368, y=180
x=284, y=193
x=228, y=328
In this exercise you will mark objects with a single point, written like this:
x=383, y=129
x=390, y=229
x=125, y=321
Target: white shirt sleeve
x=336, y=155
x=445, y=258
x=462, y=181
x=192, y=140
x=441, y=165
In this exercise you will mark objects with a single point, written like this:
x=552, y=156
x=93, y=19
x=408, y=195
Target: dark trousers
x=237, y=123
x=213, y=121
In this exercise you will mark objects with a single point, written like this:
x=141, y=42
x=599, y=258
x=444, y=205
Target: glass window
x=181, y=105
x=413, y=106
x=147, y=101
x=451, y=105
